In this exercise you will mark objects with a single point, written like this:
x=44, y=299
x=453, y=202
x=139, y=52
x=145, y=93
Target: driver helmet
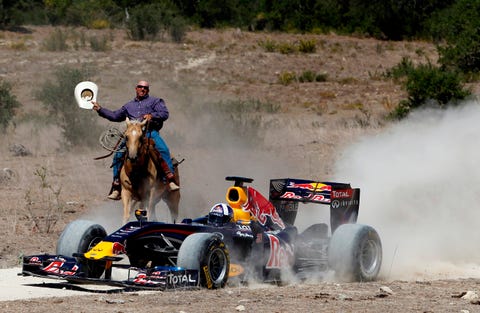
x=220, y=214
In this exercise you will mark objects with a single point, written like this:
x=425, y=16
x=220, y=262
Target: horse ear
x=144, y=122
x=127, y=120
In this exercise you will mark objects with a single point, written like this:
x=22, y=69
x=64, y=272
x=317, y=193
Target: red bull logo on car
x=281, y=256
x=310, y=186
x=311, y=197
x=309, y=191
x=261, y=209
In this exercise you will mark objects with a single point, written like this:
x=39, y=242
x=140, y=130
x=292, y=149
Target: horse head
x=134, y=138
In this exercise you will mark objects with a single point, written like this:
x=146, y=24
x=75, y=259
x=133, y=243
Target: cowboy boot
x=114, y=193
x=169, y=176
x=160, y=162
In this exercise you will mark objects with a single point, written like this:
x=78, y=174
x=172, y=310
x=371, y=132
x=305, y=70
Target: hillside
x=312, y=124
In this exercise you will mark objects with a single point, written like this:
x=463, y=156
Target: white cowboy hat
x=85, y=93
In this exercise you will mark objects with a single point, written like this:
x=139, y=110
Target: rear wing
x=286, y=193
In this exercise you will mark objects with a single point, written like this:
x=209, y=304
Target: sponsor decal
x=217, y=209
x=244, y=227
x=235, y=270
x=208, y=278
x=35, y=260
x=241, y=234
x=180, y=279
x=343, y=203
x=162, y=278
x=55, y=268
x=311, y=197
x=143, y=279
x=281, y=256
x=261, y=208
x=339, y=194
x=310, y=186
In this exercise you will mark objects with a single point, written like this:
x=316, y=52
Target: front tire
x=355, y=253
x=80, y=236
x=208, y=254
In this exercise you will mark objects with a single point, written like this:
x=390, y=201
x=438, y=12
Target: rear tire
x=355, y=253
x=78, y=237
x=208, y=254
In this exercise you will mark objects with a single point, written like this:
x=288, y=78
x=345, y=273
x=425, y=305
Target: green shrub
x=286, y=48
x=286, y=78
x=400, y=70
x=307, y=76
x=321, y=77
x=79, y=126
x=56, y=41
x=178, y=29
x=427, y=84
x=99, y=44
x=307, y=46
x=400, y=111
x=457, y=27
x=153, y=21
x=268, y=45
x=8, y=104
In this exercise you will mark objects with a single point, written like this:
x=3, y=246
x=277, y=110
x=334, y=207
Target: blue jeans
x=159, y=144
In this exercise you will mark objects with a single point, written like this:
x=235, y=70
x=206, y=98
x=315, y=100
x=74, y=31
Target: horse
x=141, y=181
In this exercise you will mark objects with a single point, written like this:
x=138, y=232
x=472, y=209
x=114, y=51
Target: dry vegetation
x=314, y=121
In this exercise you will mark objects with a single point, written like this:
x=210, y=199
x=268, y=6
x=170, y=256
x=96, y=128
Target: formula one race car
x=248, y=237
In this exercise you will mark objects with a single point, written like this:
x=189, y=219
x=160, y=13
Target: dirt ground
x=42, y=191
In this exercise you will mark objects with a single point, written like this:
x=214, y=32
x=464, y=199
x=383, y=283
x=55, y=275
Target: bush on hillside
x=79, y=126
x=8, y=104
x=156, y=20
x=430, y=85
x=457, y=29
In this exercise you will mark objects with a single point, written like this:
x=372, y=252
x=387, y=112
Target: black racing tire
x=207, y=253
x=80, y=236
x=355, y=253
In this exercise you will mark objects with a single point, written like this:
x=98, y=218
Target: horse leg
x=127, y=205
x=172, y=199
x=152, y=216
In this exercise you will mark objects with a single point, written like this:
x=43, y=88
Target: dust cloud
x=420, y=189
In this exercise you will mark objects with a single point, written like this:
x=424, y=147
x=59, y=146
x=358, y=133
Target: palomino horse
x=140, y=179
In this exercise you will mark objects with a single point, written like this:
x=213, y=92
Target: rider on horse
x=154, y=110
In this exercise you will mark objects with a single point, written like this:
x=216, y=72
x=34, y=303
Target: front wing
x=67, y=268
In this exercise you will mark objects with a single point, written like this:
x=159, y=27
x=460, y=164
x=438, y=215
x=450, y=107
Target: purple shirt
x=136, y=109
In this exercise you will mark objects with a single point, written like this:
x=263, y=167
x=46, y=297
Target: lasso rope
x=110, y=138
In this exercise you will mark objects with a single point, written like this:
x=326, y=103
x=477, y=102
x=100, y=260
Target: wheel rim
x=369, y=257
x=217, y=264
